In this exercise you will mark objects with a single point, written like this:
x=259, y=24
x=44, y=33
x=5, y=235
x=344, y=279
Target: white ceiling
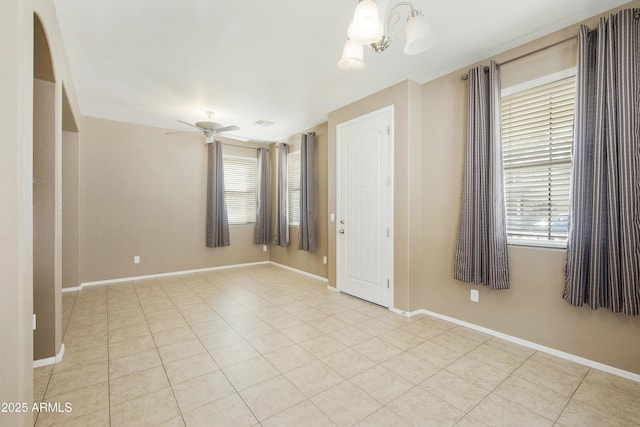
x=153, y=62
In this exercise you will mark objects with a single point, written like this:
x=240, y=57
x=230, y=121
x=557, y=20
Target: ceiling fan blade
x=188, y=124
x=182, y=131
x=227, y=129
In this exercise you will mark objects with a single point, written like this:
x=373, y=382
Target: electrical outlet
x=332, y=217
x=264, y=248
x=136, y=259
x=474, y=295
x=324, y=259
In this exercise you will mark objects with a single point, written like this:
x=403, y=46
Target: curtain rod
x=524, y=55
x=237, y=145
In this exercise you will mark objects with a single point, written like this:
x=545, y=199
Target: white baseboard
x=563, y=355
x=552, y=351
x=304, y=273
x=50, y=360
x=405, y=313
x=159, y=275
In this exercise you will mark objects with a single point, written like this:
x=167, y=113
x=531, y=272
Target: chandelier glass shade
x=366, y=29
x=352, y=56
x=419, y=36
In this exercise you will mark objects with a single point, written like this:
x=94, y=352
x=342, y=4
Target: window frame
x=247, y=159
x=291, y=189
x=530, y=84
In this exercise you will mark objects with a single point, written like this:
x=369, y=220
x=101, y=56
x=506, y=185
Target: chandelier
x=366, y=29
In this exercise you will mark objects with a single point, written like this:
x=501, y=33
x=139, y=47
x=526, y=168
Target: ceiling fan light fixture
x=352, y=56
x=210, y=129
x=419, y=35
x=365, y=27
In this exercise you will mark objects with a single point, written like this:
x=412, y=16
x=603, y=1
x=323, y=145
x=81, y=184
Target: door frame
x=390, y=256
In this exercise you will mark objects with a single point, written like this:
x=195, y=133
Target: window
x=537, y=132
x=293, y=171
x=240, y=188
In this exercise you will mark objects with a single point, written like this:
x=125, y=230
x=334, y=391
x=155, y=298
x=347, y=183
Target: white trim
x=304, y=273
x=50, y=360
x=73, y=289
x=552, y=351
x=405, y=313
x=174, y=273
x=533, y=243
x=253, y=158
x=539, y=81
x=561, y=354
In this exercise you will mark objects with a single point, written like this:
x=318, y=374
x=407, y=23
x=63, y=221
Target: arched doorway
x=46, y=293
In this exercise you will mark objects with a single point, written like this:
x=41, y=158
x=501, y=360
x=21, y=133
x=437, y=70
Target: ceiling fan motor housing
x=211, y=126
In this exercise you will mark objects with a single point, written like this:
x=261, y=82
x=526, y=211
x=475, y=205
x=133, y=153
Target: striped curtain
x=603, y=249
x=263, y=220
x=281, y=232
x=481, y=253
x=307, y=226
x=217, y=220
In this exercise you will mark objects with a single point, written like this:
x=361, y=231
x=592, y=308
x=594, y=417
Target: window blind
x=537, y=132
x=294, y=187
x=240, y=189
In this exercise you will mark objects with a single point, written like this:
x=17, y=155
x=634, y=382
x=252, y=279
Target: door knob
x=341, y=231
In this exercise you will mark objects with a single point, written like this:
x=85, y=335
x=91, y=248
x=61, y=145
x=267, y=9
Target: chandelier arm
x=388, y=30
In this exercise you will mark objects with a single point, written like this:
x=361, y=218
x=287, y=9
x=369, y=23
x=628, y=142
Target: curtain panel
x=281, y=232
x=481, y=252
x=217, y=229
x=307, y=227
x=603, y=247
x=263, y=220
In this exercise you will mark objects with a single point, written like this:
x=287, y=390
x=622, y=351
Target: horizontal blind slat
x=293, y=166
x=537, y=135
x=240, y=186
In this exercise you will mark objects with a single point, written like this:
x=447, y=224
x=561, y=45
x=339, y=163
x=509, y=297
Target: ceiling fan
x=210, y=129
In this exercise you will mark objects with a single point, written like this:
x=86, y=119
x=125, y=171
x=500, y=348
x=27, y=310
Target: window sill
x=537, y=244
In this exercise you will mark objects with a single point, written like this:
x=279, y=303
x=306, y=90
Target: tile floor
x=265, y=346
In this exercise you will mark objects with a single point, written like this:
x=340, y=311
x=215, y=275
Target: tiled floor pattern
x=265, y=346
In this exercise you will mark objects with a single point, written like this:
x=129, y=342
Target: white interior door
x=365, y=207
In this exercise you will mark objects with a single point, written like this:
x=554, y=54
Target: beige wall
x=45, y=269
x=16, y=242
x=143, y=193
x=16, y=189
x=70, y=230
x=290, y=256
x=429, y=147
x=533, y=309
x=406, y=99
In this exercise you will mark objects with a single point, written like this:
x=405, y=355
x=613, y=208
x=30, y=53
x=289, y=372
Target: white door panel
x=364, y=207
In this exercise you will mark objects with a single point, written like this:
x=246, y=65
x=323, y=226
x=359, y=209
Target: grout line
x=237, y=392
x=242, y=291
x=571, y=397
x=133, y=284
x=610, y=413
x=199, y=340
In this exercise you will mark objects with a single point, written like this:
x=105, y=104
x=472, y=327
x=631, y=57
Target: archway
x=46, y=298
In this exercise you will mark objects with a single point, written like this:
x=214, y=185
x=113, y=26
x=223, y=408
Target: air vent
x=264, y=123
